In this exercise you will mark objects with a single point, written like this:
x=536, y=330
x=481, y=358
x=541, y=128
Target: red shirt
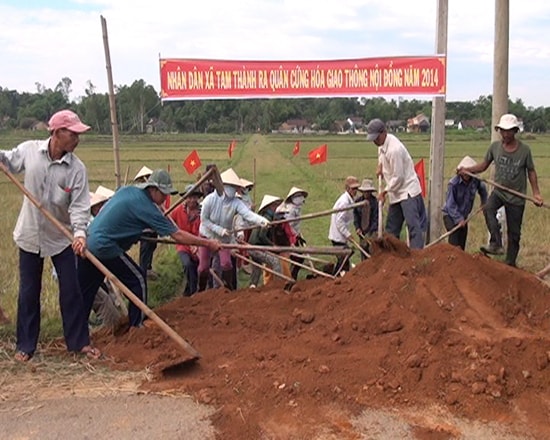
x=188, y=221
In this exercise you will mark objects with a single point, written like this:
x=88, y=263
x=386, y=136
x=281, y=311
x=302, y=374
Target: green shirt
x=511, y=169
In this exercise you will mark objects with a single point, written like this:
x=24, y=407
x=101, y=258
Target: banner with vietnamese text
x=219, y=79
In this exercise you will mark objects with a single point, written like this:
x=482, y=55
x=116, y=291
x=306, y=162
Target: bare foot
x=21, y=356
x=90, y=352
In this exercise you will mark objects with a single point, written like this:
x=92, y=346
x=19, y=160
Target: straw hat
x=196, y=192
x=144, y=172
x=268, y=200
x=229, y=177
x=352, y=182
x=95, y=199
x=246, y=183
x=103, y=191
x=293, y=191
x=466, y=162
x=366, y=185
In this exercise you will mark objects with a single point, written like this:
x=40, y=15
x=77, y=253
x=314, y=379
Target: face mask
x=298, y=200
x=230, y=191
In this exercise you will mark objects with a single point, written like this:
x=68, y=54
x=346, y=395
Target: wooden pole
x=359, y=248
x=505, y=188
x=380, y=207
x=112, y=103
x=108, y=274
x=307, y=216
x=261, y=266
x=453, y=230
x=305, y=266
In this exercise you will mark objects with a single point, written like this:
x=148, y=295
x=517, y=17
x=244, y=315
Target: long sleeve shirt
x=217, y=214
x=340, y=222
x=187, y=220
x=460, y=197
x=360, y=212
x=398, y=169
x=61, y=187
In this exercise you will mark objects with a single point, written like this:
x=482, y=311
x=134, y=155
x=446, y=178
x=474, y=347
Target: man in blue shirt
x=461, y=193
x=118, y=226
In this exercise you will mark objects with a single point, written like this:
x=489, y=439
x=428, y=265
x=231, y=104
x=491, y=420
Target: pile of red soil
x=437, y=326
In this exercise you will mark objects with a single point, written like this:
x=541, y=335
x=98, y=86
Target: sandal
x=90, y=352
x=21, y=356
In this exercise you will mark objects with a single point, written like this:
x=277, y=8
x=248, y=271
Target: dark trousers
x=413, y=212
x=342, y=261
x=146, y=251
x=457, y=238
x=190, y=269
x=75, y=324
x=514, y=219
x=126, y=270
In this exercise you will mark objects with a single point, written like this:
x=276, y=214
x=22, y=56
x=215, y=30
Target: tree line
x=139, y=104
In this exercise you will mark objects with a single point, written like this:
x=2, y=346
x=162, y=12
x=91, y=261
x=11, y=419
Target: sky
x=45, y=41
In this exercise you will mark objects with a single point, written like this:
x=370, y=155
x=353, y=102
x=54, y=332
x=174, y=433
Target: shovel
x=191, y=352
x=307, y=216
x=453, y=230
x=505, y=188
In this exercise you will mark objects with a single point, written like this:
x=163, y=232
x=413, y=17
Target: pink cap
x=69, y=120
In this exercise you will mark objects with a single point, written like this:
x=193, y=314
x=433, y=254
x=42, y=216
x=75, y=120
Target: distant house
x=39, y=126
x=294, y=126
x=396, y=125
x=418, y=124
x=474, y=124
x=156, y=126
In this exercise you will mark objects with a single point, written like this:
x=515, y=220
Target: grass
x=268, y=160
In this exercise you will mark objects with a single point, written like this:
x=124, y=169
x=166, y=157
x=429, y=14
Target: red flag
x=318, y=155
x=192, y=162
x=421, y=173
x=231, y=147
x=296, y=149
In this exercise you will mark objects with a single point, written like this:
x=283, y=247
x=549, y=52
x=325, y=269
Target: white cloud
x=64, y=39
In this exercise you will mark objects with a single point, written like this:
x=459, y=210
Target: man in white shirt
x=341, y=222
x=402, y=185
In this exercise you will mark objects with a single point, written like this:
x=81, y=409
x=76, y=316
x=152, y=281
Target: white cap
x=268, y=200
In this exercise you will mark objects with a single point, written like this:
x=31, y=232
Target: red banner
x=218, y=79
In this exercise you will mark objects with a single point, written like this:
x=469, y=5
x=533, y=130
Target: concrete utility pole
x=500, y=64
x=437, y=145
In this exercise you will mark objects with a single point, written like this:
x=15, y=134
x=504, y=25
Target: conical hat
x=246, y=183
x=268, y=200
x=466, y=162
x=229, y=177
x=103, y=191
x=144, y=172
x=97, y=198
x=293, y=191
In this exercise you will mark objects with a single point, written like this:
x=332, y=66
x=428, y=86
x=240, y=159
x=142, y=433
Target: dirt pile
x=405, y=328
